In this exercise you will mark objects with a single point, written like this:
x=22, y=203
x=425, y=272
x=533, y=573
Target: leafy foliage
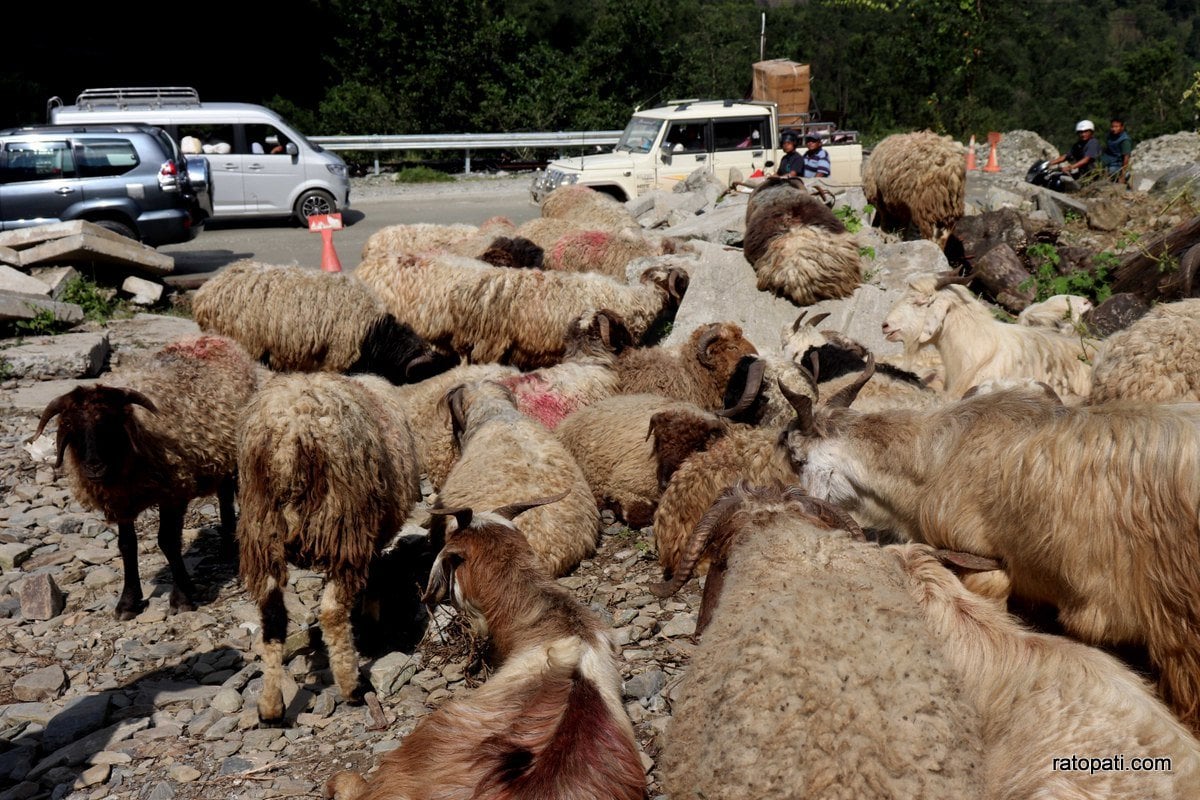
x=422, y=175
x=87, y=295
x=1047, y=281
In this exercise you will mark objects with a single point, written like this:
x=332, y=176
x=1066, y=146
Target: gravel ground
x=385, y=185
x=163, y=707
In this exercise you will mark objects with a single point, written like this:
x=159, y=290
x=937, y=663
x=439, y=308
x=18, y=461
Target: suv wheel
x=119, y=228
x=313, y=202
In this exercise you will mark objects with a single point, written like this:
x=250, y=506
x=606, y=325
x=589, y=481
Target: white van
x=260, y=165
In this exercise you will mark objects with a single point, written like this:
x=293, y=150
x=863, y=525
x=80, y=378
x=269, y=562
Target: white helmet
x=1084, y=125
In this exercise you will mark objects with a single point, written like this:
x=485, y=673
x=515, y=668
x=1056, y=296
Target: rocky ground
x=163, y=706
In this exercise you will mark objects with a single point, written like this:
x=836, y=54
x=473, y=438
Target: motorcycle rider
x=1082, y=155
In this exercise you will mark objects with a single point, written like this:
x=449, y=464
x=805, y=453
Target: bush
x=422, y=175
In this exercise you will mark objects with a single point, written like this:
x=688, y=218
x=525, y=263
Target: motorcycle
x=1042, y=174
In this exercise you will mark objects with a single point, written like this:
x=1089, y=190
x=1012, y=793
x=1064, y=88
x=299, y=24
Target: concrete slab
x=55, y=278
x=725, y=224
x=13, y=280
x=34, y=397
x=14, y=306
x=145, y=333
x=67, y=355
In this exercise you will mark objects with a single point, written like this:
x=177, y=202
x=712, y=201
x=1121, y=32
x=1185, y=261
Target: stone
x=163, y=790
x=93, y=775
x=1003, y=272
x=392, y=671
x=182, y=773
x=1107, y=215
x=22, y=791
x=41, y=598
x=1116, y=313
x=67, y=355
x=77, y=751
x=228, y=700
x=77, y=719
x=46, y=683
x=679, y=625
x=14, y=554
x=724, y=225
x=144, y=292
x=13, y=280
x=34, y=397
x=16, y=763
x=642, y=686
x=56, y=279
x=14, y=305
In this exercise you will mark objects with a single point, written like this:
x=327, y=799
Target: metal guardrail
x=466, y=142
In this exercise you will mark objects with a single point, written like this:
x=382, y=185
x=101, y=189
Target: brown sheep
x=920, y=179
x=698, y=372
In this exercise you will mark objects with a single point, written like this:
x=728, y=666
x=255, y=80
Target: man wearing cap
x=1084, y=153
x=816, y=159
x=792, y=163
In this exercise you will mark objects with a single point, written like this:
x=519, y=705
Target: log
x=1142, y=272
x=1003, y=272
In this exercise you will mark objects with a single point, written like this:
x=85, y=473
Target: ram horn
x=947, y=278
x=713, y=520
x=845, y=396
x=803, y=406
x=754, y=381
x=511, y=510
x=708, y=337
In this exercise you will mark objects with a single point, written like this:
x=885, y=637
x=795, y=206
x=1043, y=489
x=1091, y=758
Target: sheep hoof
x=181, y=603
x=270, y=714
x=128, y=608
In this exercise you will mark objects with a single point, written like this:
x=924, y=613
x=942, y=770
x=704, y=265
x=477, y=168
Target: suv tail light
x=168, y=179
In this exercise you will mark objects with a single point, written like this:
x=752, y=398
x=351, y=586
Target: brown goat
x=695, y=373
x=166, y=434
x=549, y=723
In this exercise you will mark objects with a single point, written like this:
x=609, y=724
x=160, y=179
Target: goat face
x=916, y=318
x=394, y=351
x=98, y=425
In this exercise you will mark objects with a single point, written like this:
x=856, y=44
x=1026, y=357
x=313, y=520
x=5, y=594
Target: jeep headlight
x=337, y=169
x=570, y=177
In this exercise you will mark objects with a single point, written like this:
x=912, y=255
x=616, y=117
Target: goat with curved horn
x=753, y=388
x=845, y=396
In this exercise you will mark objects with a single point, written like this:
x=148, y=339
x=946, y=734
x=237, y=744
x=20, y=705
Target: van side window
x=36, y=161
x=99, y=158
x=214, y=139
x=265, y=140
x=740, y=134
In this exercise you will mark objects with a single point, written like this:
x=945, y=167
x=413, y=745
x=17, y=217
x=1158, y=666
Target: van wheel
x=119, y=228
x=313, y=202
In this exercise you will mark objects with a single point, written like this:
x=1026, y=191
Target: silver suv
x=130, y=179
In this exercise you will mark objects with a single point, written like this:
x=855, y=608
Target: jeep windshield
x=639, y=135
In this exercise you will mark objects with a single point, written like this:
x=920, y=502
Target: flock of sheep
x=515, y=368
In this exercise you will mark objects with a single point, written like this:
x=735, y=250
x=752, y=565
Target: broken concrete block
x=145, y=332
x=145, y=293
x=34, y=397
x=26, y=306
x=56, y=278
x=13, y=280
x=67, y=355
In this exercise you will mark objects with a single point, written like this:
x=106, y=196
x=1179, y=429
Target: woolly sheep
x=416, y=238
x=1062, y=311
x=549, y=723
x=546, y=232
x=586, y=206
x=797, y=247
x=696, y=372
x=507, y=456
x=918, y=178
x=158, y=434
x=1094, y=509
x=328, y=475
x=296, y=319
x=975, y=346
x=610, y=441
x=605, y=252
x=522, y=317
x=815, y=677
x=1154, y=360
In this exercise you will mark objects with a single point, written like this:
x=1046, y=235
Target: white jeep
x=662, y=146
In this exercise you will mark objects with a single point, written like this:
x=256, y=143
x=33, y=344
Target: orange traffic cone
x=992, y=165
x=329, y=257
x=971, y=154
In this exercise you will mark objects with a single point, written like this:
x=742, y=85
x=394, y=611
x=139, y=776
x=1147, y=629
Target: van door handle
x=702, y=157
x=757, y=153
x=255, y=167
x=64, y=190
x=230, y=166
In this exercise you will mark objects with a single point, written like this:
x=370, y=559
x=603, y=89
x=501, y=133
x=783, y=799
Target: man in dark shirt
x=1084, y=154
x=1116, y=152
x=792, y=163
x=816, y=159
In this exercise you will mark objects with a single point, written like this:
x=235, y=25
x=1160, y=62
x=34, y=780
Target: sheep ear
x=441, y=577
x=458, y=418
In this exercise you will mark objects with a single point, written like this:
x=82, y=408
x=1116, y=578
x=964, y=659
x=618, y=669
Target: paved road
x=283, y=242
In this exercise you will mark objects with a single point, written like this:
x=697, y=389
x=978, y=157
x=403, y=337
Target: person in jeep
x=792, y=163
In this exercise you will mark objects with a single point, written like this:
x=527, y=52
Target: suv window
x=265, y=139
x=36, y=161
x=100, y=158
x=687, y=137
x=740, y=134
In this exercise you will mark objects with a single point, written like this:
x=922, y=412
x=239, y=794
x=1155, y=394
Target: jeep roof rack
x=148, y=96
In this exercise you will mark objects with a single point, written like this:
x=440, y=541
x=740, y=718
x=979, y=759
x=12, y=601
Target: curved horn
x=423, y=360
x=511, y=510
x=947, y=278
x=716, y=516
x=458, y=417
x=605, y=328
x=53, y=409
x=673, y=289
x=812, y=323
x=754, y=381
x=814, y=358
x=708, y=337
x=830, y=514
x=846, y=395
x=803, y=405
x=462, y=516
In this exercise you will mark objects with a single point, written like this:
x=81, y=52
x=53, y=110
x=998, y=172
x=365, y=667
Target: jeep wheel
x=313, y=202
x=119, y=228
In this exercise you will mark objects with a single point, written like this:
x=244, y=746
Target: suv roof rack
x=148, y=96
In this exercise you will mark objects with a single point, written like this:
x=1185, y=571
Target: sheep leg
x=170, y=538
x=274, y=631
x=225, y=495
x=130, y=603
x=334, y=616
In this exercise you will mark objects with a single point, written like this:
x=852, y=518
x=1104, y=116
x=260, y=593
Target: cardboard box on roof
x=786, y=83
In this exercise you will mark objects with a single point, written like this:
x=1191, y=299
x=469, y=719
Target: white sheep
x=974, y=346
x=1062, y=311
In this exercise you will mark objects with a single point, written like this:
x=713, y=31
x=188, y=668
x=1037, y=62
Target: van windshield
x=639, y=135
